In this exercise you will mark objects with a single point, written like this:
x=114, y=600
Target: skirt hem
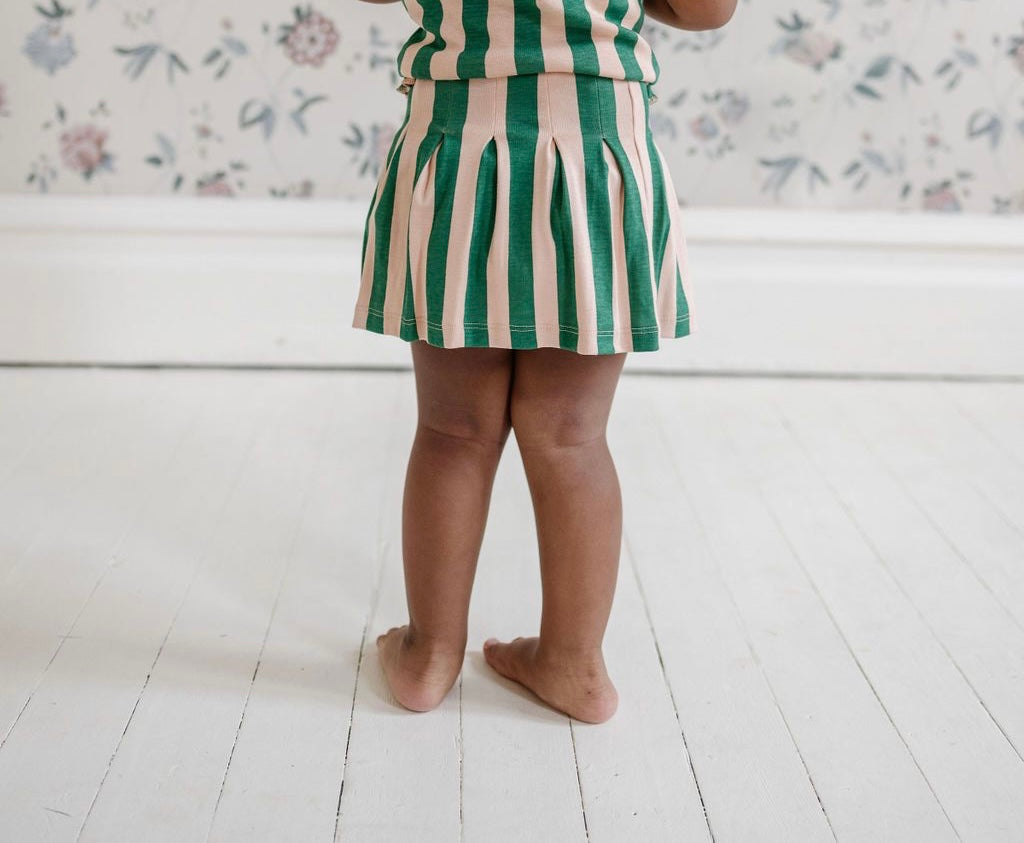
x=478, y=335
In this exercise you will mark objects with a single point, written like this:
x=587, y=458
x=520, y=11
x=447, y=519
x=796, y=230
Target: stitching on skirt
x=407, y=320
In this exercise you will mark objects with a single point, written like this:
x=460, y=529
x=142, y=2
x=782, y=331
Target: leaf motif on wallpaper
x=250, y=116
x=783, y=168
x=232, y=47
x=296, y=113
x=879, y=67
x=140, y=57
x=255, y=111
x=871, y=161
x=54, y=13
x=167, y=153
x=878, y=71
x=985, y=122
x=954, y=68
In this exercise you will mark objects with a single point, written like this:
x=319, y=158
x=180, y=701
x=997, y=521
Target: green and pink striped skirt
x=522, y=212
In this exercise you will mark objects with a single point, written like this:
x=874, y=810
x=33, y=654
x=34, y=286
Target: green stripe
x=382, y=244
x=483, y=228
x=591, y=92
x=578, y=35
x=408, y=329
x=682, y=307
x=470, y=62
x=527, y=46
x=561, y=228
x=521, y=125
x=638, y=262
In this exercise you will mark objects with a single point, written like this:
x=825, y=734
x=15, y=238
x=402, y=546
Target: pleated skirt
x=524, y=212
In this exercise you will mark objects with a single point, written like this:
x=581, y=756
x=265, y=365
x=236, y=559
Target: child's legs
x=463, y=423
x=560, y=404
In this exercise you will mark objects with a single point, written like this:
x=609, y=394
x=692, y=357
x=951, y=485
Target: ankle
x=583, y=661
x=434, y=647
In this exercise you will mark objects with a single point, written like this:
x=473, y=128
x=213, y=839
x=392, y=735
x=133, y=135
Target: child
x=523, y=238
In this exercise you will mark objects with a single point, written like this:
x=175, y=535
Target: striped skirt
x=523, y=212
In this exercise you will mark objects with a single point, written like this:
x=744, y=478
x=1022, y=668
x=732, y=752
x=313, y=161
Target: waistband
x=408, y=81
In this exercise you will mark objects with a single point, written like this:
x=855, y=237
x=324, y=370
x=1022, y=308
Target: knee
x=554, y=428
x=468, y=428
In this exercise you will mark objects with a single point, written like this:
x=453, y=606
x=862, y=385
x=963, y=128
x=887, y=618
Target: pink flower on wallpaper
x=813, y=48
x=311, y=39
x=215, y=187
x=81, y=149
x=940, y=198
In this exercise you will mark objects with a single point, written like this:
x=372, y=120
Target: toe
x=496, y=656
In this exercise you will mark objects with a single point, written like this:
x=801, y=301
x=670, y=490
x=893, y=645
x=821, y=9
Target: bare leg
x=560, y=405
x=463, y=423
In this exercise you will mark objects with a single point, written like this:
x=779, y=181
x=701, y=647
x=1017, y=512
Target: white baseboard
x=271, y=282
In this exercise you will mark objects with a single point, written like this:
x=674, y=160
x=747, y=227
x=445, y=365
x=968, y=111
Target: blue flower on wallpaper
x=704, y=127
x=49, y=48
x=889, y=103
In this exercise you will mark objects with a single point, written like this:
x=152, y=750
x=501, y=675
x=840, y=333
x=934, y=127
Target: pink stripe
x=566, y=125
x=443, y=63
x=603, y=33
x=419, y=120
x=475, y=135
x=553, y=43
x=499, y=60
x=545, y=266
x=642, y=49
x=667, y=284
x=678, y=240
x=497, y=256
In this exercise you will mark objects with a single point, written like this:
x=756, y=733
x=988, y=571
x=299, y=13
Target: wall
x=846, y=104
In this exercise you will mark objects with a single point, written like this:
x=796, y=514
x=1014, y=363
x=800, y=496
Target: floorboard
x=817, y=634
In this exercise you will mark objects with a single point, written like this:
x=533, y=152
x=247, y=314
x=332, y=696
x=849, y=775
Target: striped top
x=461, y=39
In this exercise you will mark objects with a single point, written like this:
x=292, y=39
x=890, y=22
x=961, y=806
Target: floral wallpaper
x=861, y=104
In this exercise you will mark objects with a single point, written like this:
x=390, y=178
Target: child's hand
x=691, y=14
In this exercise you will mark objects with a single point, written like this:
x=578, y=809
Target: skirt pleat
x=524, y=212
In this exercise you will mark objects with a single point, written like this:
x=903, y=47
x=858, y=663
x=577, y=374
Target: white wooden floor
x=818, y=632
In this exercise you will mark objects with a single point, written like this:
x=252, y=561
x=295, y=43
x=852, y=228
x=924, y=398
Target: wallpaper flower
x=887, y=104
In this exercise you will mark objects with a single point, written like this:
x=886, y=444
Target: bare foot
x=582, y=691
x=419, y=679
